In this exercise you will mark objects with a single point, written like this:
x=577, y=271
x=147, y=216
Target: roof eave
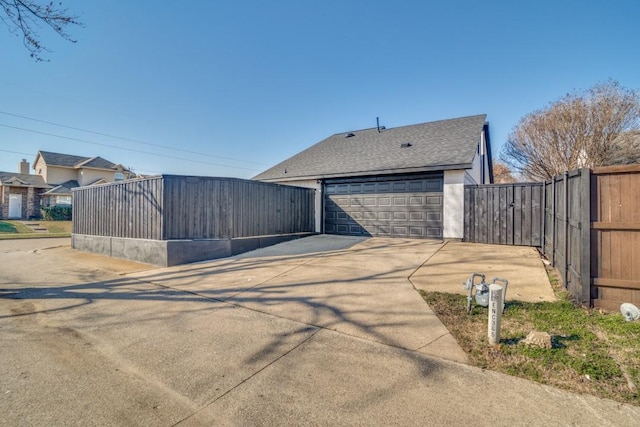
x=370, y=172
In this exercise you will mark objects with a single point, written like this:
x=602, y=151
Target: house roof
x=70, y=161
x=64, y=188
x=439, y=145
x=21, y=179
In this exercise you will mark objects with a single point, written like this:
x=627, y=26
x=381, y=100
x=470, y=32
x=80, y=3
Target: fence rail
x=589, y=228
x=615, y=236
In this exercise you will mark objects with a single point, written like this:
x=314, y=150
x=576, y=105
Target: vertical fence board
x=177, y=207
x=587, y=223
x=615, y=235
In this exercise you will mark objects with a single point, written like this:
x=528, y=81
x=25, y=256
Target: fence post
x=543, y=224
x=554, y=220
x=565, y=231
x=585, y=235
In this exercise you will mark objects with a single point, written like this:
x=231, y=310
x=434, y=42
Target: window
x=119, y=176
x=63, y=200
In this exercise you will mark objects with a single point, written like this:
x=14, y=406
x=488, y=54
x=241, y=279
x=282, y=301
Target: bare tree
x=502, y=173
x=26, y=17
x=597, y=127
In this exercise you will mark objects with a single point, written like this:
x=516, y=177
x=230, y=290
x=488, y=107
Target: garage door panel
x=384, y=187
x=400, y=216
x=401, y=208
x=384, y=230
x=417, y=216
x=416, y=232
x=385, y=216
x=369, y=188
x=416, y=201
x=434, y=201
x=399, y=201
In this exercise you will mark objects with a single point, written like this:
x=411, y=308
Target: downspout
x=321, y=182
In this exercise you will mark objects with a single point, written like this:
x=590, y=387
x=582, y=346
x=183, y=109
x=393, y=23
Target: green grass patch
x=592, y=351
x=6, y=227
x=14, y=227
x=18, y=230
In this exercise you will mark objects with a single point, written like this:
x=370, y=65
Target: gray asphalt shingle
x=433, y=145
x=68, y=160
x=6, y=178
x=64, y=188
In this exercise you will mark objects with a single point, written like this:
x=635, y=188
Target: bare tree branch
x=25, y=17
x=502, y=174
x=597, y=127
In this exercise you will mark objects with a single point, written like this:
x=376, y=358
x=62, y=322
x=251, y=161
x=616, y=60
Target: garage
x=396, y=207
x=405, y=181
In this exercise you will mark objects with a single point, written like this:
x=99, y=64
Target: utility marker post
x=495, y=313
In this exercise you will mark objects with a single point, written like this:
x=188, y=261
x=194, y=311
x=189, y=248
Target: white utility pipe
x=495, y=313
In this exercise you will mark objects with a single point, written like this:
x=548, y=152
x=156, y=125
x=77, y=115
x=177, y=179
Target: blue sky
x=232, y=88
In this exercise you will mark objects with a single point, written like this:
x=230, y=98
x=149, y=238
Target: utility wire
x=130, y=139
x=17, y=152
x=125, y=149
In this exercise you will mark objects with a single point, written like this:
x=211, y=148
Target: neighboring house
x=22, y=194
x=401, y=182
x=65, y=172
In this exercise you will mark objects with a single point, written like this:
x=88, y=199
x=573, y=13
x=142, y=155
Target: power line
x=130, y=139
x=17, y=152
x=125, y=149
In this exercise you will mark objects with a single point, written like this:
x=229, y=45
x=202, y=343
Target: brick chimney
x=24, y=167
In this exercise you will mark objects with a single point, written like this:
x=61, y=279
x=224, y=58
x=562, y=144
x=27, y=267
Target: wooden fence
x=587, y=224
x=504, y=214
x=173, y=207
x=615, y=236
x=566, y=223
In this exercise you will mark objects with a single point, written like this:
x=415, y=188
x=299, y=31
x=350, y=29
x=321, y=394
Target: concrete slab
x=328, y=380
x=360, y=288
x=452, y=265
x=85, y=343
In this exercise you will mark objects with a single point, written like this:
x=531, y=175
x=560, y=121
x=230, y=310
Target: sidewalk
x=452, y=265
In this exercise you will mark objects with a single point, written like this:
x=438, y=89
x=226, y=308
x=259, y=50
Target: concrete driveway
x=320, y=331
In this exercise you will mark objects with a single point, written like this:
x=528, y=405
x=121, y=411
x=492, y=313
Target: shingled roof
x=439, y=145
x=64, y=188
x=70, y=161
x=22, y=180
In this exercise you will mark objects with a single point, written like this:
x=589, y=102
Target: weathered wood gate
x=504, y=214
x=587, y=223
x=615, y=236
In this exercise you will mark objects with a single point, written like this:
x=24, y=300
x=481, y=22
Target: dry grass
x=19, y=230
x=592, y=351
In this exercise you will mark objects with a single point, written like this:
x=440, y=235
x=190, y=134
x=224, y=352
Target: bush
x=56, y=213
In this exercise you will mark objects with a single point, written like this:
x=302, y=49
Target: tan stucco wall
x=57, y=175
x=87, y=176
